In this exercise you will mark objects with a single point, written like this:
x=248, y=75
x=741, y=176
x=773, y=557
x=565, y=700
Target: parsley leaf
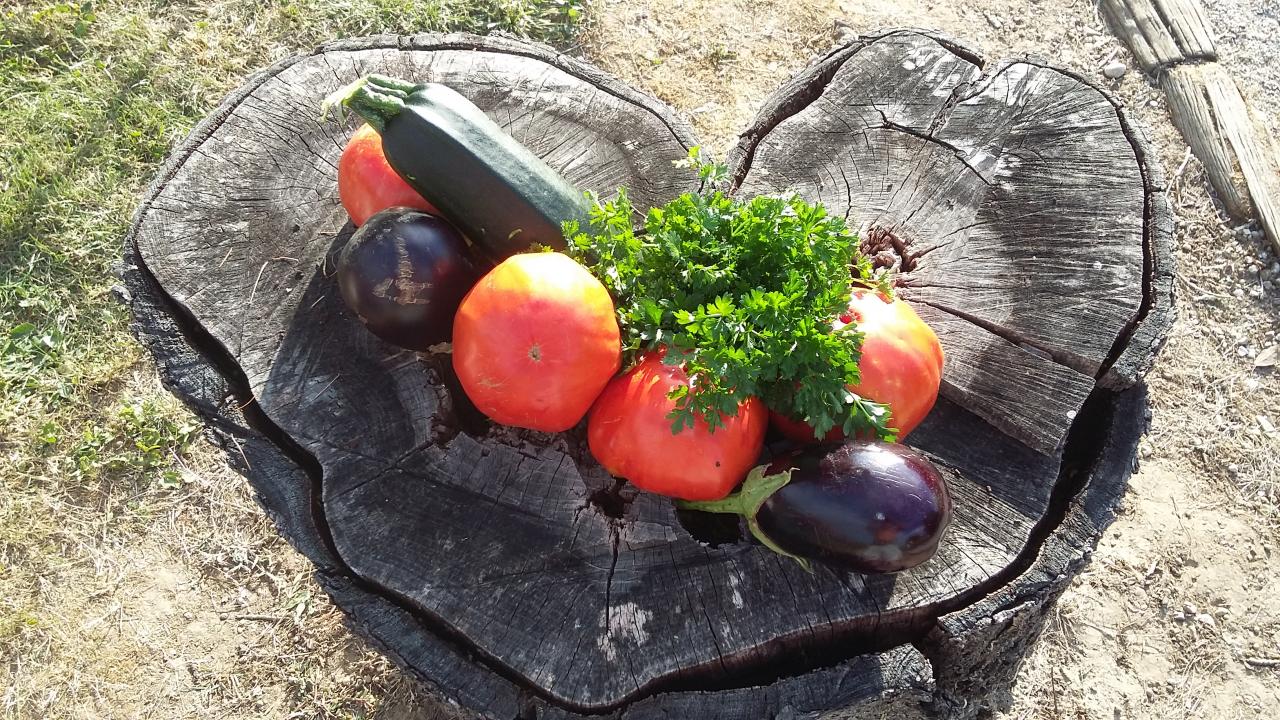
x=746, y=293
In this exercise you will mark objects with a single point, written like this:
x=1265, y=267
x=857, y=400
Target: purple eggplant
x=869, y=507
x=404, y=273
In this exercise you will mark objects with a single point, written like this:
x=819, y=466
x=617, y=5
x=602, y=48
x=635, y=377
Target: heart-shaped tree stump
x=505, y=568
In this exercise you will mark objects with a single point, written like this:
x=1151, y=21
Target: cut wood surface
x=505, y=567
x=1017, y=195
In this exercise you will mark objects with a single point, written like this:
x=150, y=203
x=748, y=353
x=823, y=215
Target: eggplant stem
x=768, y=542
x=756, y=489
x=731, y=505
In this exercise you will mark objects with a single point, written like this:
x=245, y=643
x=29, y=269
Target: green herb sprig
x=746, y=294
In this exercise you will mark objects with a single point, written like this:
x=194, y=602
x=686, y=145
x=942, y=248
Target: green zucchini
x=495, y=190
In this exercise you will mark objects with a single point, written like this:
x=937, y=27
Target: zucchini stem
x=376, y=98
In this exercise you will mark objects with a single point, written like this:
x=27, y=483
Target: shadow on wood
x=504, y=567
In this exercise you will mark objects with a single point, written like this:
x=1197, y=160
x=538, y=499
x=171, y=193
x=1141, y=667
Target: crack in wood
x=928, y=136
x=787, y=660
x=1022, y=340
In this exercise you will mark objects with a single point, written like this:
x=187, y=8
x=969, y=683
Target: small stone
x=1232, y=469
x=1190, y=610
x=1175, y=680
x=1115, y=69
x=1206, y=619
x=1239, y=293
x=1242, y=351
x=994, y=20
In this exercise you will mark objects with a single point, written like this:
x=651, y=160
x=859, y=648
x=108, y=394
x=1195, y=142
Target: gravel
x=1247, y=36
x=1115, y=69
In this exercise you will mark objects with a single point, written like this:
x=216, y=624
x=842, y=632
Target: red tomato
x=901, y=365
x=799, y=430
x=630, y=434
x=535, y=341
x=366, y=182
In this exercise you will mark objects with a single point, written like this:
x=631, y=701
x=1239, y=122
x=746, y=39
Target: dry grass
x=137, y=576
x=139, y=579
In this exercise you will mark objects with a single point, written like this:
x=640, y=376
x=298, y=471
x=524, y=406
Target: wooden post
x=1171, y=41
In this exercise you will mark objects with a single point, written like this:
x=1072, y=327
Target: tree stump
x=504, y=568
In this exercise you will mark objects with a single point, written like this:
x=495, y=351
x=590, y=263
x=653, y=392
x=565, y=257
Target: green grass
x=92, y=96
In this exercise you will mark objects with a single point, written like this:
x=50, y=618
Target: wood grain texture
x=1017, y=192
x=1242, y=166
x=1172, y=40
x=1161, y=33
x=477, y=556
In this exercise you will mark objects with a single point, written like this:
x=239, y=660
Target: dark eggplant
x=404, y=273
x=869, y=507
x=495, y=190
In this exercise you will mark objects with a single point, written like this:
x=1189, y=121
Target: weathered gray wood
x=979, y=649
x=1207, y=107
x=1020, y=194
x=1161, y=33
x=1135, y=353
x=478, y=556
x=1171, y=39
x=193, y=366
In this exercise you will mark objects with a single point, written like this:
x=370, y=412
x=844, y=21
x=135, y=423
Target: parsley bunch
x=746, y=293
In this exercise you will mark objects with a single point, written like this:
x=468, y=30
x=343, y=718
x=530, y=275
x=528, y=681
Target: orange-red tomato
x=630, y=434
x=535, y=341
x=366, y=182
x=901, y=365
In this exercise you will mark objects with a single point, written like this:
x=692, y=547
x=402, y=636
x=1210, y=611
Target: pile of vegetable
x=680, y=341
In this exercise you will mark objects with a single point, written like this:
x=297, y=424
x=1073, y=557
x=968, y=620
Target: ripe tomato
x=535, y=341
x=901, y=365
x=630, y=434
x=366, y=182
